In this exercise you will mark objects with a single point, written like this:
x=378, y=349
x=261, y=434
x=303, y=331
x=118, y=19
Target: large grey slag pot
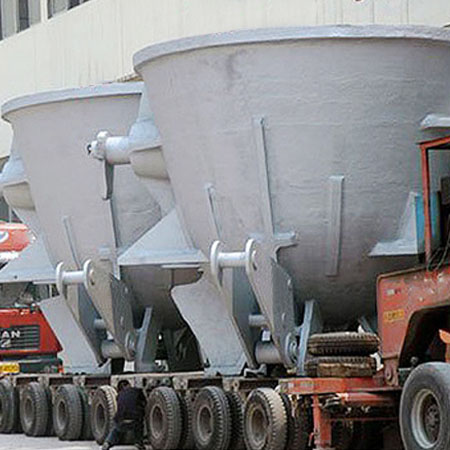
x=310, y=131
x=50, y=133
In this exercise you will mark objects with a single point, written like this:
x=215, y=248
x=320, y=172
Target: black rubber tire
x=426, y=394
x=9, y=408
x=304, y=425
x=35, y=410
x=164, y=419
x=343, y=343
x=187, y=435
x=265, y=421
x=369, y=364
x=296, y=439
x=211, y=420
x=86, y=430
x=103, y=410
x=236, y=406
x=68, y=413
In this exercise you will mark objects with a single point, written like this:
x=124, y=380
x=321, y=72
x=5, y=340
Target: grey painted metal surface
x=33, y=264
x=309, y=131
x=51, y=130
x=16, y=191
x=167, y=245
x=78, y=354
x=50, y=134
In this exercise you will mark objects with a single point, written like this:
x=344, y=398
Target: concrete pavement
x=21, y=442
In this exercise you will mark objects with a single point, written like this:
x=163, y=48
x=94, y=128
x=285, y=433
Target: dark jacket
x=130, y=405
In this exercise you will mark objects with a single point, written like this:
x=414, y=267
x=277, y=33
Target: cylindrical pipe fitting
x=231, y=259
x=99, y=324
x=257, y=321
x=73, y=277
x=110, y=350
x=267, y=353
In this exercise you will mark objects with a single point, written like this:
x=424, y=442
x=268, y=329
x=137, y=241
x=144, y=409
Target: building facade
x=50, y=44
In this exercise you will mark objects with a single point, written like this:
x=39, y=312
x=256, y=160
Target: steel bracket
x=110, y=296
x=147, y=343
x=118, y=150
x=273, y=290
x=312, y=323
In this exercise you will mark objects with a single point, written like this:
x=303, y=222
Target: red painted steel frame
x=400, y=296
x=322, y=426
x=353, y=392
x=14, y=237
x=319, y=386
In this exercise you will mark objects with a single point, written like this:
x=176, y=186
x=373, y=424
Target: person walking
x=129, y=417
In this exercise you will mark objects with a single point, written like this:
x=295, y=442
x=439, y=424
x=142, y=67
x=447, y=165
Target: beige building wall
x=95, y=41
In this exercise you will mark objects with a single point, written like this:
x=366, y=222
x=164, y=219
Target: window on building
x=23, y=15
x=18, y=15
x=58, y=6
x=9, y=17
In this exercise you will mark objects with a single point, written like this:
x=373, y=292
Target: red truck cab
x=27, y=343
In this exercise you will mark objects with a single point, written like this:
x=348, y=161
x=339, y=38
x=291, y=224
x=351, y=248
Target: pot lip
x=63, y=95
x=264, y=35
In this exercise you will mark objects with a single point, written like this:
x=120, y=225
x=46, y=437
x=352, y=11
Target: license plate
x=9, y=368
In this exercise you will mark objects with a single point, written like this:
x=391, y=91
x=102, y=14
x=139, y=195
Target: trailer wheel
x=187, y=436
x=424, y=408
x=304, y=426
x=341, y=366
x=297, y=428
x=86, y=430
x=211, y=420
x=9, y=407
x=265, y=421
x=237, y=421
x=68, y=413
x=164, y=419
x=343, y=343
x=104, y=407
x=35, y=410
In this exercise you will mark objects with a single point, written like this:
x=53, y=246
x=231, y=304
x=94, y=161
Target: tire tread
x=343, y=343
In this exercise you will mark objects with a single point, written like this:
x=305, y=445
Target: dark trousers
x=120, y=429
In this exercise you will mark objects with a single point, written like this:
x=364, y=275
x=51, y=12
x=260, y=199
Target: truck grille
x=21, y=337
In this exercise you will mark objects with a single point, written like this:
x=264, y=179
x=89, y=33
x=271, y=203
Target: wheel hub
x=259, y=426
x=61, y=415
x=426, y=419
x=432, y=421
x=205, y=424
x=157, y=421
